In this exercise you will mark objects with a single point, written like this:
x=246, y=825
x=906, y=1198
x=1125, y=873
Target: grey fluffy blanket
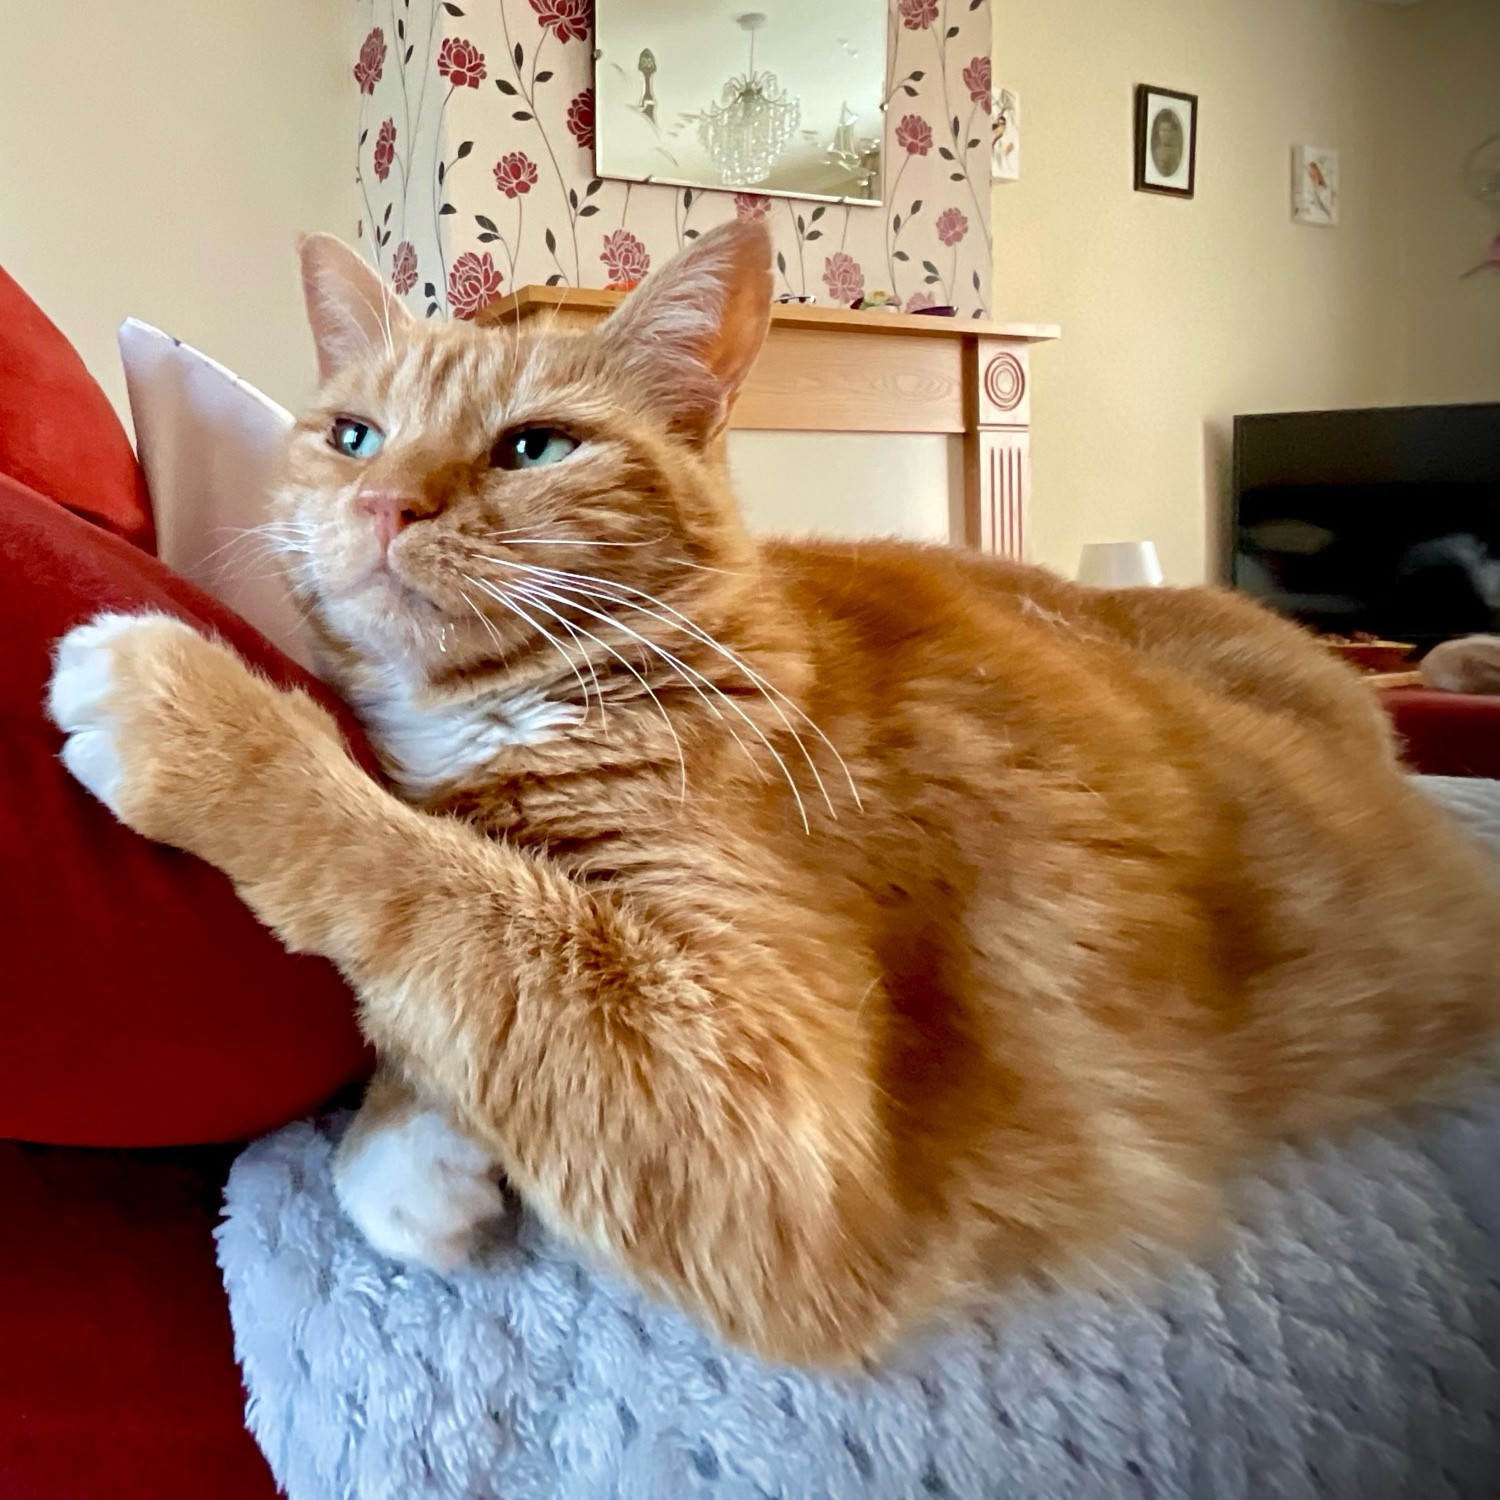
x=1345, y=1345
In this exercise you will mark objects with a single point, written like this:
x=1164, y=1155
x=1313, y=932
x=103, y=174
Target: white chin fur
x=419, y=1191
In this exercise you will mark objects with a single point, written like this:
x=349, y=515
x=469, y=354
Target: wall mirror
x=706, y=93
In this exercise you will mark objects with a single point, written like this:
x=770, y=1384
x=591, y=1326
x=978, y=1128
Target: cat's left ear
x=692, y=331
x=350, y=308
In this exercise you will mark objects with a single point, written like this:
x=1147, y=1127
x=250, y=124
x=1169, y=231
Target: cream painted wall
x=850, y=483
x=1176, y=315
x=158, y=157
x=1449, y=81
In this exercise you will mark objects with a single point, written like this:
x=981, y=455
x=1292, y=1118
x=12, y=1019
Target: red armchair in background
x=1447, y=734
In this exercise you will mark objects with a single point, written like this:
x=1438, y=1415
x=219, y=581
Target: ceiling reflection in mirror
x=708, y=94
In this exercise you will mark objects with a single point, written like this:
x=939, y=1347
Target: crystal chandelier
x=752, y=122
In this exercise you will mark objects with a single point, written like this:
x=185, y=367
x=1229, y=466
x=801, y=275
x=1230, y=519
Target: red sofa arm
x=141, y=1004
x=1446, y=734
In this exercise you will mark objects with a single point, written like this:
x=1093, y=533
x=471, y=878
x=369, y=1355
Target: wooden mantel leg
x=997, y=445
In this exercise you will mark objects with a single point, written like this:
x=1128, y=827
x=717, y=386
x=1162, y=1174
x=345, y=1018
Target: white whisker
x=769, y=689
x=530, y=592
x=500, y=595
x=696, y=632
x=383, y=313
x=687, y=674
x=666, y=718
x=483, y=619
x=564, y=541
x=587, y=660
x=546, y=635
x=277, y=536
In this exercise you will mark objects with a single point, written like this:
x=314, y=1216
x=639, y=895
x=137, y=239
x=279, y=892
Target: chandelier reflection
x=753, y=121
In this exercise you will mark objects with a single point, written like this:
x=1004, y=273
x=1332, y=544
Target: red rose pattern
x=952, y=226
x=914, y=135
x=581, y=119
x=473, y=284
x=385, y=149
x=461, y=63
x=567, y=20
x=404, y=268
x=515, y=173
x=474, y=280
x=624, y=258
x=843, y=278
x=977, y=81
x=371, y=63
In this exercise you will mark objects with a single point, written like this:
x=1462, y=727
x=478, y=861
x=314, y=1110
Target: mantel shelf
x=528, y=301
x=830, y=369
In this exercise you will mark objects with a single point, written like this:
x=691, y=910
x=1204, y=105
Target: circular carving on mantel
x=1005, y=382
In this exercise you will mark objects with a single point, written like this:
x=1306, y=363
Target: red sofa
x=143, y=1013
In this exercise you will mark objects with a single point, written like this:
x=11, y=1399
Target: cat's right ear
x=350, y=308
x=691, y=333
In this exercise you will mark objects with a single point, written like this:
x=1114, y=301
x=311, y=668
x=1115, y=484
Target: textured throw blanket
x=1344, y=1345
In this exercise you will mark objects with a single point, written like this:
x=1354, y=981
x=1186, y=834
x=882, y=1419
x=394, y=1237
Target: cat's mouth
x=387, y=579
x=381, y=600
x=387, y=592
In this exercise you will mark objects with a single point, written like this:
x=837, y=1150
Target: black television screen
x=1385, y=520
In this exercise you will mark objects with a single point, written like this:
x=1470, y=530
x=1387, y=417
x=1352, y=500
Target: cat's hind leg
x=417, y=1188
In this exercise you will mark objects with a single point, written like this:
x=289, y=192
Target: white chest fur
x=427, y=746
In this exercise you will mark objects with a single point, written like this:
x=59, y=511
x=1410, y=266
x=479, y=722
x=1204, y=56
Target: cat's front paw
x=171, y=730
x=419, y=1191
x=78, y=700
x=97, y=679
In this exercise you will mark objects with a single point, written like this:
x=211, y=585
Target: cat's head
x=448, y=473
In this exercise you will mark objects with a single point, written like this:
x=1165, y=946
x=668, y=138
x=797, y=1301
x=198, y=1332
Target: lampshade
x=1114, y=565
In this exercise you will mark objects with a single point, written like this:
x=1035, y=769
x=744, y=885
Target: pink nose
x=392, y=511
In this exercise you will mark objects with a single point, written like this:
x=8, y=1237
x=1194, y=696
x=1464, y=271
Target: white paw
x=419, y=1191
x=83, y=680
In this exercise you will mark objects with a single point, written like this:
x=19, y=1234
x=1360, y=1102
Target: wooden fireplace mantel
x=829, y=369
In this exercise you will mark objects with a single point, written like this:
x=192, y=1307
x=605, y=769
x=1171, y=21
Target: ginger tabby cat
x=818, y=933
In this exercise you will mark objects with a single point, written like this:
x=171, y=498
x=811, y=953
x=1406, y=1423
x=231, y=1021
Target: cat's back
x=1173, y=777
x=892, y=592
x=903, y=613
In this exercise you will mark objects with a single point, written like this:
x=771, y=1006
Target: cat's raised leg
x=635, y=1081
x=417, y=1188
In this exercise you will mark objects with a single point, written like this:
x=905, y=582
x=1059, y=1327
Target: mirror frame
x=765, y=192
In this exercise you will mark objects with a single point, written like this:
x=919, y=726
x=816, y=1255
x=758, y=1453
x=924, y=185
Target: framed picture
x=1315, y=186
x=1005, y=136
x=1166, y=141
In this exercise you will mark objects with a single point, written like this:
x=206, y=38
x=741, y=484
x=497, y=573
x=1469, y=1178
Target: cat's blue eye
x=355, y=439
x=531, y=447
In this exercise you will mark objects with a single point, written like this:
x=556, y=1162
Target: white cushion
x=211, y=447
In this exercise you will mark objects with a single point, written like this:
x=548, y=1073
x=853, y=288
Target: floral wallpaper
x=475, y=164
